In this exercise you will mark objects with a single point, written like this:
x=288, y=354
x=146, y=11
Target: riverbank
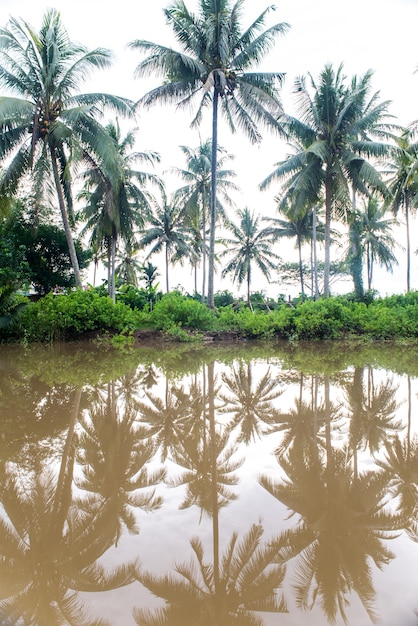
x=175, y=317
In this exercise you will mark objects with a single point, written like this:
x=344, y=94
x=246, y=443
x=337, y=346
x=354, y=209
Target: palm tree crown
x=249, y=246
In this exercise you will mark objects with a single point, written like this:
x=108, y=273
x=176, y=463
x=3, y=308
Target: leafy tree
x=128, y=267
x=46, y=124
x=249, y=402
x=332, y=146
x=214, y=63
x=46, y=255
x=248, y=583
x=249, y=246
x=114, y=454
x=342, y=521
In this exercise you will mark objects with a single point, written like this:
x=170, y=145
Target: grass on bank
x=71, y=316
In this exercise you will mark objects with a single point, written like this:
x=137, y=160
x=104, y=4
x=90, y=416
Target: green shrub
x=324, y=319
x=174, y=309
x=69, y=316
x=223, y=298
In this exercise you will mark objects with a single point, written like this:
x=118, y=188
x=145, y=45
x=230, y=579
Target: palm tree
x=128, y=267
x=195, y=194
x=214, y=64
x=118, y=203
x=249, y=246
x=166, y=232
x=297, y=225
x=46, y=124
x=378, y=241
x=332, y=146
x=403, y=185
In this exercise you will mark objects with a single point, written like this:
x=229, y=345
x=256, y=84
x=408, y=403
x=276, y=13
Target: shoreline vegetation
x=136, y=318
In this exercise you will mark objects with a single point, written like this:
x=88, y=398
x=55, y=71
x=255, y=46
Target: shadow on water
x=216, y=485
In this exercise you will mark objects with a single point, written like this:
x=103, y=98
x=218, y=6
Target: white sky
x=362, y=34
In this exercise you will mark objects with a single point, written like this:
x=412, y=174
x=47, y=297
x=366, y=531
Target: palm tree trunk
x=300, y=267
x=315, y=256
x=328, y=208
x=211, y=301
x=369, y=268
x=65, y=221
x=112, y=268
x=166, y=267
x=63, y=488
x=203, y=244
x=248, y=285
x=408, y=247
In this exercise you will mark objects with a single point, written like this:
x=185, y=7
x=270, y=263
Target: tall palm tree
x=404, y=185
x=195, y=193
x=167, y=232
x=249, y=246
x=46, y=124
x=214, y=64
x=117, y=201
x=333, y=145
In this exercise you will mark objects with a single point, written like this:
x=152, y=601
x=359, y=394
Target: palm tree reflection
x=114, y=452
x=232, y=588
x=49, y=547
x=248, y=580
x=342, y=522
x=251, y=405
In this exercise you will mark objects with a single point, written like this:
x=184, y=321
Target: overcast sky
x=362, y=34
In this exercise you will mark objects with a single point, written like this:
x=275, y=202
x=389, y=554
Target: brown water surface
x=236, y=485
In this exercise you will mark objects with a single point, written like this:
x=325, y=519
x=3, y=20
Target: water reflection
x=220, y=486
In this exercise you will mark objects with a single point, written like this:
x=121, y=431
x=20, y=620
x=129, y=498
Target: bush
x=174, y=309
x=223, y=298
x=69, y=316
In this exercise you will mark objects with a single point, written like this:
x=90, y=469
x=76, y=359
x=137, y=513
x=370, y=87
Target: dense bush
x=69, y=316
x=175, y=310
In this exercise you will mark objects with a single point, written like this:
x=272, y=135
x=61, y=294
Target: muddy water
x=209, y=486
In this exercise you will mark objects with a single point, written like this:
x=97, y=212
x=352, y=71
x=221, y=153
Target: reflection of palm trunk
x=330, y=456
x=215, y=511
x=357, y=402
x=408, y=432
x=64, y=482
x=315, y=407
